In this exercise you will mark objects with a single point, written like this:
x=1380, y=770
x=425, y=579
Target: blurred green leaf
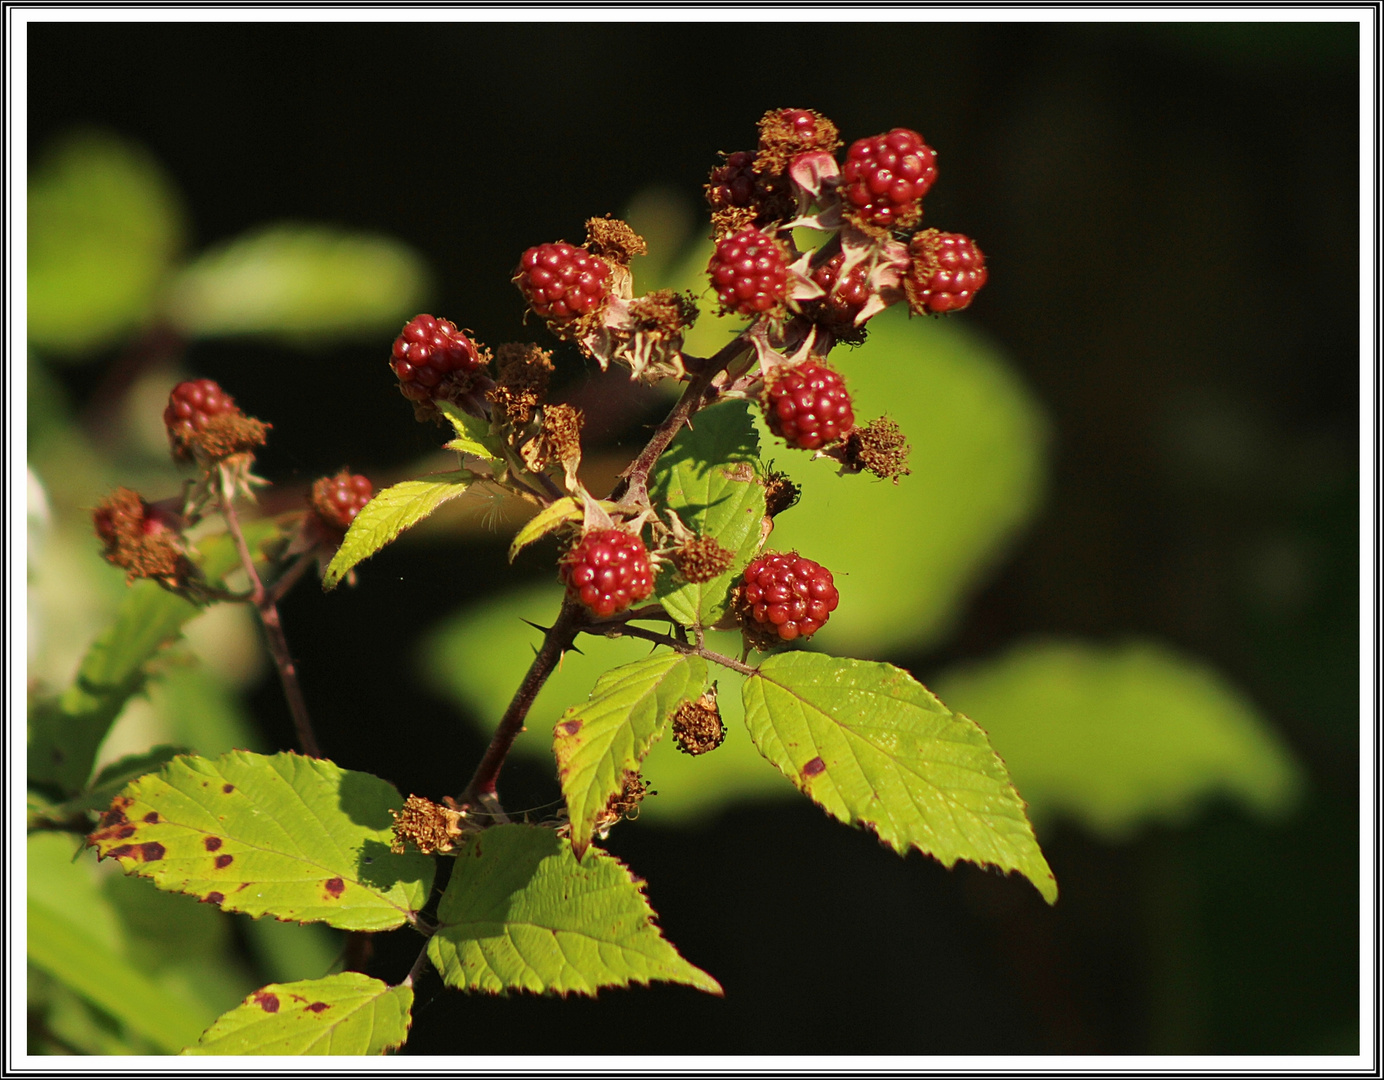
x=872, y=746
x=307, y=284
x=520, y=912
x=906, y=557
x=105, y=225
x=65, y=732
x=709, y=476
x=349, y=1013
x=479, y=656
x=1114, y=737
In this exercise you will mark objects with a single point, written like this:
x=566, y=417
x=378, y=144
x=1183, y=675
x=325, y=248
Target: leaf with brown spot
x=598, y=742
x=349, y=1013
x=298, y=838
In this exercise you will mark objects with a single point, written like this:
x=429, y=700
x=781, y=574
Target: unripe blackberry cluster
x=336, y=500
x=732, y=184
x=808, y=405
x=749, y=273
x=885, y=178
x=784, y=596
x=204, y=423
x=562, y=282
x=607, y=570
x=429, y=354
x=946, y=271
x=143, y=540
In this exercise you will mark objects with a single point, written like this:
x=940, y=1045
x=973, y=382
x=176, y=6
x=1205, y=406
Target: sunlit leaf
x=709, y=476
x=389, y=513
x=105, y=224
x=303, y=283
x=598, y=742
x=349, y=1013
x=521, y=913
x=289, y=836
x=1115, y=736
x=871, y=746
x=473, y=433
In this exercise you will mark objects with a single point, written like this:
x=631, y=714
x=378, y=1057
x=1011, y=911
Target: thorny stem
x=687, y=649
x=558, y=639
x=268, y=612
x=632, y=490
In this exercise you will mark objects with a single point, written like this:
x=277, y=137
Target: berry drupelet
x=947, y=271
x=785, y=595
x=885, y=178
x=607, y=570
x=808, y=406
x=749, y=273
x=562, y=282
x=429, y=351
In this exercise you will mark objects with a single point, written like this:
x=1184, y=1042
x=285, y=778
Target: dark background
x=1170, y=214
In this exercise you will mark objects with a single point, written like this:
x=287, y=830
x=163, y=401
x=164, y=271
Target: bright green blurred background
x=1127, y=547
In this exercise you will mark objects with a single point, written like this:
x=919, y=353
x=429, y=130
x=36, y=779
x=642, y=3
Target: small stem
x=625, y=630
x=481, y=789
x=289, y=577
x=273, y=629
x=632, y=489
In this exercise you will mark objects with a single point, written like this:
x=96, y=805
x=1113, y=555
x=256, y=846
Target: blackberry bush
x=284, y=835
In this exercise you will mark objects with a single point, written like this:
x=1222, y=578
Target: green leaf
x=709, y=476
x=598, y=742
x=871, y=746
x=65, y=951
x=1118, y=736
x=66, y=732
x=289, y=836
x=307, y=284
x=479, y=656
x=349, y=1013
x=473, y=433
x=105, y=224
x=521, y=913
x=388, y=514
x=546, y=520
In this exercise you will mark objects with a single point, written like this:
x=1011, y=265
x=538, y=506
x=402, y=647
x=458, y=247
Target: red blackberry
x=607, y=570
x=336, y=500
x=191, y=405
x=845, y=296
x=427, y=352
x=732, y=184
x=562, y=282
x=885, y=177
x=946, y=273
x=808, y=406
x=785, y=595
x=749, y=273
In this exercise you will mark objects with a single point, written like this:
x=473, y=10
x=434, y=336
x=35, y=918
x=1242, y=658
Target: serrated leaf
x=473, y=433
x=289, y=836
x=105, y=224
x=521, y=913
x=869, y=744
x=551, y=517
x=349, y=1013
x=388, y=514
x=709, y=476
x=596, y=743
x=1117, y=736
x=301, y=283
x=66, y=732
